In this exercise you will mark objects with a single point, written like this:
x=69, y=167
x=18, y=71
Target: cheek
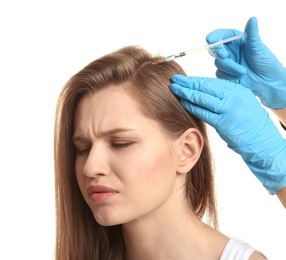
x=150, y=179
x=149, y=165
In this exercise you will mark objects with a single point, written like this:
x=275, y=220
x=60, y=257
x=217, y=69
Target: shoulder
x=237, y=249
x=257, y=256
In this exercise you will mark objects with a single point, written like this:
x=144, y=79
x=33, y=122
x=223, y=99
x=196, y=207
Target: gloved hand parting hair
x=241, y=121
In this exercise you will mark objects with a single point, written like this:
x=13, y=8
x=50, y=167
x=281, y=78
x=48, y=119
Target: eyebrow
x=78, y=138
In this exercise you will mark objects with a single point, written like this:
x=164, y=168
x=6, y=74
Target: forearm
x=281, y=114
x=282, y=196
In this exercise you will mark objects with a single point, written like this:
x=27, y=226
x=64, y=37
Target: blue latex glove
x=241, y=121
x=250, y=63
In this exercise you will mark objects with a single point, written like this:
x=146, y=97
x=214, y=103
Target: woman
x=133, y=169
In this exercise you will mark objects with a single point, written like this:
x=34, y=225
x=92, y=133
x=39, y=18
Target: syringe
x=201, y=48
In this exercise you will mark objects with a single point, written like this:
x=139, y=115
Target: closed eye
x=119, y=145
x=82, y=150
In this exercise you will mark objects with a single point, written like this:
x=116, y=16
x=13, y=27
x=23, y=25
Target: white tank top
x=237, y=249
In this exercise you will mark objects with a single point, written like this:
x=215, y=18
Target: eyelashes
x=81, y=150
x=120, y=145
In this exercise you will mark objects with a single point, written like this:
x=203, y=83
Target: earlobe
x=190, y=145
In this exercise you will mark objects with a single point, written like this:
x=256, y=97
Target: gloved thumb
x=251, y=30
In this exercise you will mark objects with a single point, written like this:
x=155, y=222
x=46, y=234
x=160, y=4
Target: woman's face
x=125, y=164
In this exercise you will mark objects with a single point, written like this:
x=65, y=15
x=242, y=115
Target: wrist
x=266, y=158
x=281, y=194
x=281, y=114
x=283, y=126
x=271, y=174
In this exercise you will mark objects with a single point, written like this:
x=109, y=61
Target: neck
x=178, y=234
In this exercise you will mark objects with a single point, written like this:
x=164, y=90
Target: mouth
x=100, y=193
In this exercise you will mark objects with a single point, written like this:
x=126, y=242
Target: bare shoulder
x=257, y=256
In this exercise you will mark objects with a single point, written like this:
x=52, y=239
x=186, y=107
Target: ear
x=190, y=145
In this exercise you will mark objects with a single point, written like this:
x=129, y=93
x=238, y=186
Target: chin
x=106, y=221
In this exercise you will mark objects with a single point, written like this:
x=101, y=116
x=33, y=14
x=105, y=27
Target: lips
x=100, y=193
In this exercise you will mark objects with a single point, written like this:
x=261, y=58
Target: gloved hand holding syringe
x=197, y=49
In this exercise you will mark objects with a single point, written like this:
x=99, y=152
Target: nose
x=96, y=163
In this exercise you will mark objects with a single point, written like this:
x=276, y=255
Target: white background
x=43, y=43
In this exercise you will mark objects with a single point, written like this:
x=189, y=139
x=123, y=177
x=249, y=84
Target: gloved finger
x=196, y=83
x=184, y=81
x=253, y=41
x=251, y=30
x=211, y=86
x=221, y=75
x=203, y=114
x=218, y=52
x=221, y=34
x=201, y=99
x=229, y=66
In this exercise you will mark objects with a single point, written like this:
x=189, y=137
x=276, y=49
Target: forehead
x=115, y=98
x=113, y=106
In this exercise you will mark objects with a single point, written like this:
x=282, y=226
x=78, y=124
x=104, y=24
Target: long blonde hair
x=78, y=235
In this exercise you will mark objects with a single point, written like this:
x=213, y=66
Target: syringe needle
x=201, y=48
